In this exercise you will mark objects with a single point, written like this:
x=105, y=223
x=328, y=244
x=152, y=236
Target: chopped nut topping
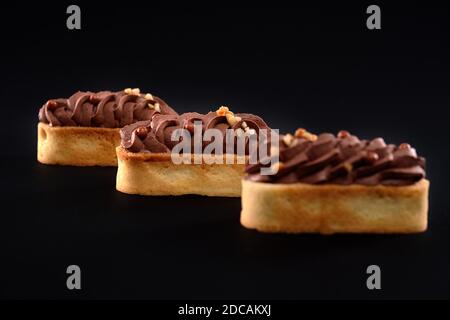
x=343, y=134
x=222, y=111
x=348, y=167
x=52, y=103
x=250, y=131
x=247, y=129
x=299, y=132
x=148, y=96
x=277, y=166
x=288, y=139
x=239, y=132
x=371, y=156
x=230, y=119
x=156, y=106
x=302, y=133
x=404, y=146
x=134, y=92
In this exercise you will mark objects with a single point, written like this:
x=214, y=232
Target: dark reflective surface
x=312, y=67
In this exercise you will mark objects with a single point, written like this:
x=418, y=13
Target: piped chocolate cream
x=156, y=135
x=343, y=159
x=103, y=109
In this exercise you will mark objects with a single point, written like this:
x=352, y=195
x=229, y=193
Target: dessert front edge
x=334, y=184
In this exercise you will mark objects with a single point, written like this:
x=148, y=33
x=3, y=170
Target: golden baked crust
x=307, y=208
x=156, y=174
x=77, y=146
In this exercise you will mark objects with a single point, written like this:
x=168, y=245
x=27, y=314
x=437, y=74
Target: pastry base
x=155, y=174
x=77, y=146
x=327, y=209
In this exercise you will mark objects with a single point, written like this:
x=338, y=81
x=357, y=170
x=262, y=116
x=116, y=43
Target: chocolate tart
x=338, y=184
x=84, y=130
x=146, y=167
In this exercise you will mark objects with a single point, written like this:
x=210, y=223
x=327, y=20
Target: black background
x=317, y=67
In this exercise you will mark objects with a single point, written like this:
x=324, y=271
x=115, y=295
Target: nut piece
x=133, y=92
x=299, y=132
x=240, y=132
x=343, y=134
x=348, y=166
x=311, y=137
x=302, y=133
x=277, y=166
x=250, y=131
x=223, y=110
x=148, y=96
x=52, y=103
x=288, y=139
x=371, y=156
x=232, y=120
x=404, y=146
x=155, y=107
x=246, y=128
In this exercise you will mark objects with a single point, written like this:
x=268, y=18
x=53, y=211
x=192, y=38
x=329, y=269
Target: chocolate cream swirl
x=343, y=159
x=155, y=135
x=103, y=109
